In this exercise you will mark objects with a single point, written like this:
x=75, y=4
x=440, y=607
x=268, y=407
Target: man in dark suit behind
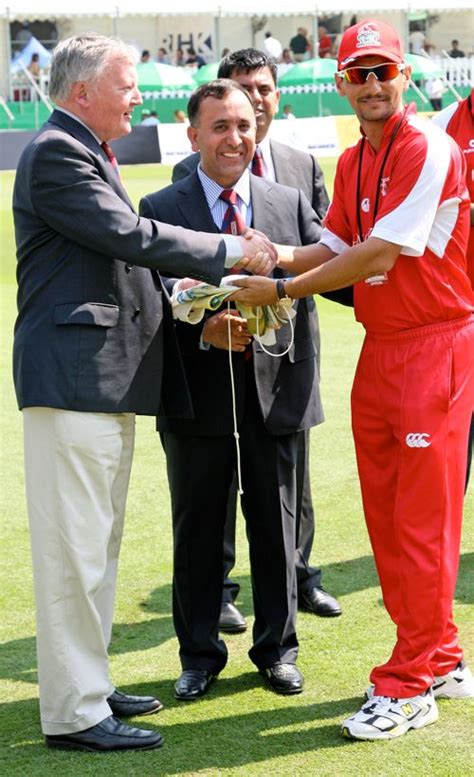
x=275, y=399
x=257, y=72
x=88, y=353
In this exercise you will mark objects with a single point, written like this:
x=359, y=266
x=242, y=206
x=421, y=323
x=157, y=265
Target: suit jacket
x=287, y=387
x=89, y=332
x=292, y=168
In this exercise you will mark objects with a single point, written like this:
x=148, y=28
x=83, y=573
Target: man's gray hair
x=83, y=58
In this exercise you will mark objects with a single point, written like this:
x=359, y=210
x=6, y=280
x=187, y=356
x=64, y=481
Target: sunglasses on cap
x=387, y=71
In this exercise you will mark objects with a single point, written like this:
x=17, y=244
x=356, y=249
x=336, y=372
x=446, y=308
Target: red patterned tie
x=110, y=156
x=233, y=222
x=257, y=163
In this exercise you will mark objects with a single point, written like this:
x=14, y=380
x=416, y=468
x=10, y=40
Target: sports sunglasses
x=387, y=71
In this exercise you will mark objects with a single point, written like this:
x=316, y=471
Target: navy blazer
x=89, y=333
x=287, y=387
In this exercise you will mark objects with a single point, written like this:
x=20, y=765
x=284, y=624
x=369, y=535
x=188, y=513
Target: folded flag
x=189, y=305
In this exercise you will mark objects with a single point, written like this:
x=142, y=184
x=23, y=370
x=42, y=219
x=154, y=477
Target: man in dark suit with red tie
x=88, y=356
x=276, y=398
x=275, y=161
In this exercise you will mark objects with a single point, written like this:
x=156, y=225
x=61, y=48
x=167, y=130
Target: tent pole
x=9, y=53
x=115, y=21
x=217, y=35
x=315, y=33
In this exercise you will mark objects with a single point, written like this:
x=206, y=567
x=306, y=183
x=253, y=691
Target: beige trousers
x=77, y=471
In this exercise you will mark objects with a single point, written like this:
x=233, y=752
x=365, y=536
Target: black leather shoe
x=283, y=678
x=124, y=706
x=192, y=684
x=319, y=602
x=109, y=734
x=231, y=620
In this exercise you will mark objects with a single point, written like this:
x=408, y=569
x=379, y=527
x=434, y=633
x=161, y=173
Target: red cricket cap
x=368, y=38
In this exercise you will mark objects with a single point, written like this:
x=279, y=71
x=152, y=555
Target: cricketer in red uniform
x=458, y=121
x=398, y=228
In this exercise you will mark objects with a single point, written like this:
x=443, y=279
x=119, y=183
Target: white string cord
x=232, y=383
x=234, y=403
x=292, y=338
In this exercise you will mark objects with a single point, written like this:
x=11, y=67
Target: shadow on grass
x=18, y=657
x=341, y=578
x=190, y=746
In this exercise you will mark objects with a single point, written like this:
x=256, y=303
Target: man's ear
x=407, y=73
x=192, y=135
x=278, y=94
x=80, y=93
x=339, y=85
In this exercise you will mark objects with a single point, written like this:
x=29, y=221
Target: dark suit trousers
x=200, y=472
x=307, y=576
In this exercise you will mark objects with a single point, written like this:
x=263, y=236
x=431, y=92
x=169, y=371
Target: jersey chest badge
x=383, y=186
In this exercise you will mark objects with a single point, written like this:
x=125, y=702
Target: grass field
x=239, y=728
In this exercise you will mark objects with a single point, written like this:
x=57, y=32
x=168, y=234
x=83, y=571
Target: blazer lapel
x=82, y=134
x=263, y=207
x=192, y=204
x=281, y=161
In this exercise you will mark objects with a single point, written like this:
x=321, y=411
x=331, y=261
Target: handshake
x=259, y=254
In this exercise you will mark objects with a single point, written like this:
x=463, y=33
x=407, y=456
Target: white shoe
x=457, y=684
x=384, y=718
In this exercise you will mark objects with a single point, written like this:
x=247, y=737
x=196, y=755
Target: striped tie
x=257, y=163
x=233, y=222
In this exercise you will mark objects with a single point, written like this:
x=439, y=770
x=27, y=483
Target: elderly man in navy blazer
x=276, y=397
x=88, y=355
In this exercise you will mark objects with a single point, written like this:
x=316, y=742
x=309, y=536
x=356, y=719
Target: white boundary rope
x=232, y=383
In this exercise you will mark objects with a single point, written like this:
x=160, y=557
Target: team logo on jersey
x=365, y=205
x=417, y=440
x=383, y=186
x=368, y=35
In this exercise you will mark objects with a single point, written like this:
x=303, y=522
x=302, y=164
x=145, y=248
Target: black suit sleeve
x=310, y=231
x=320, y=205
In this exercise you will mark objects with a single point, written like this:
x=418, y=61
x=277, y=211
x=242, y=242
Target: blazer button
x=136, y=313
x=128, y=267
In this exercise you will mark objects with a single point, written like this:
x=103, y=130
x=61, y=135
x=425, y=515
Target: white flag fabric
x=189, y=305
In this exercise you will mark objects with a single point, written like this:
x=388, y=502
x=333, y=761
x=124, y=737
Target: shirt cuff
x=234, y=251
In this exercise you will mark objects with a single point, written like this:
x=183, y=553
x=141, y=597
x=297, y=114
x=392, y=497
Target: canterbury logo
x=417, y=440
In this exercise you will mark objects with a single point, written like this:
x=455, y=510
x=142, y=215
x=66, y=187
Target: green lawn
x=239, y=728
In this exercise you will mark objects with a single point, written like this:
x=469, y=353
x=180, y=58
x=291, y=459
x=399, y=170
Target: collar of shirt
x=212, y=191
x=268, y=166
x=76, y=118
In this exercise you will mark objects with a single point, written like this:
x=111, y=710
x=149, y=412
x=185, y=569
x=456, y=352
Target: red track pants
x=412, y=400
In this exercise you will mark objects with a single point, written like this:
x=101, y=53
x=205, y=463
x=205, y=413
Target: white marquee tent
x=127, y=17
x=22, y=9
